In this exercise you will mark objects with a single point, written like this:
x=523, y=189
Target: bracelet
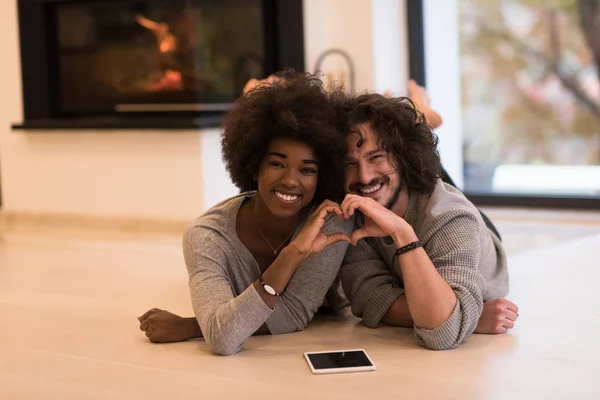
x=409, y=247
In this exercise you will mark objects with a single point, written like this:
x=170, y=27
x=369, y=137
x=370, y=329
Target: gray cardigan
x=221, y=272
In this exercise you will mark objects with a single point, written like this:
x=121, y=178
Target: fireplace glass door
x=156, y=56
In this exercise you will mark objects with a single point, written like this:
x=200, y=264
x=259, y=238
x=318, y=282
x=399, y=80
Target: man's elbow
x=438, y=344
x=359, y=312
x=449, y=335
x=370, y=318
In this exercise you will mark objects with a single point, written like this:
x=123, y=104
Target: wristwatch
x=269, y=289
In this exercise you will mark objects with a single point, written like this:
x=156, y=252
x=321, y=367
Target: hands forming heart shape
x=379, y=222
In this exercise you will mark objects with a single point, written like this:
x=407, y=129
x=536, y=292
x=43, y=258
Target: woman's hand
x=161, y=326
x=311, y=239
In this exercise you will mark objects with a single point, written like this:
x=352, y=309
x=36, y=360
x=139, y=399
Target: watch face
x=270, y=290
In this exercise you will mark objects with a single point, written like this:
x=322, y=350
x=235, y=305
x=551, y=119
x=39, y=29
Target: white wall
x=344, y=25
x=216, y=184
x=372, y=32
x=148, y=174
x=390, y=46
x=166, y=175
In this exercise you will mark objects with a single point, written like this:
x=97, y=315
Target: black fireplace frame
x=284, y=48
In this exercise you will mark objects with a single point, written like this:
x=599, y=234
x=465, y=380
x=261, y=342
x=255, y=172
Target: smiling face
x=287, y=177
x=369, y=171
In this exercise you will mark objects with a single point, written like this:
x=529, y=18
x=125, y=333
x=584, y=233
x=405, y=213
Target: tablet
x=333, y=362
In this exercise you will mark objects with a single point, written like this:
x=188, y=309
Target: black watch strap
x=409, y=247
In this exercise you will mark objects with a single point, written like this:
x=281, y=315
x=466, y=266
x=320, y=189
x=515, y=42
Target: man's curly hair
x=298, y=108
x=403, y=133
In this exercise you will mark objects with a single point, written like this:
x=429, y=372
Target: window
x=518, y=85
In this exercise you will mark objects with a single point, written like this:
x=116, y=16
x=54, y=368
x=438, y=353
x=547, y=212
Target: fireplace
x=143, y=63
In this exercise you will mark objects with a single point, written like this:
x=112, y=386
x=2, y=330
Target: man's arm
x=445, y=314
x=369, y=283
x=445, y=300
x=398, y=314
x=429, y=297
x=498, y=316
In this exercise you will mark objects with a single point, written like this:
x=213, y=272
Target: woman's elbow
x=223, y=348
x=221, y=342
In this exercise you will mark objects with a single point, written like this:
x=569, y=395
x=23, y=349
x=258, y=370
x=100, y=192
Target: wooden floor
x=68, y=331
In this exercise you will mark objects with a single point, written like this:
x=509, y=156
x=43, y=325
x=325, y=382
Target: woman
x=263, y=261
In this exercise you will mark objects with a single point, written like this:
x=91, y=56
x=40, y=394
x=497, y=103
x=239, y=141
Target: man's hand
x=498, y=316
x=311, y=240
x=162, y=326
x=379, y=221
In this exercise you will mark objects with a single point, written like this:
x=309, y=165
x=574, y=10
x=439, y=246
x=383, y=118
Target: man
x=423, y=255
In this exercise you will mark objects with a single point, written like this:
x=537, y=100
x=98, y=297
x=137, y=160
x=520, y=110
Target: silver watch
x=269, y=289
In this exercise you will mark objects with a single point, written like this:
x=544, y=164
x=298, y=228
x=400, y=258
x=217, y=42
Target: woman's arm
x=311, y=282
x=162, y=326
x=227, y=321
x=296, y=306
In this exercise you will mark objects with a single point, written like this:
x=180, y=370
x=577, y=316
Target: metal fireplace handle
x=172, y=107
x=346, y=57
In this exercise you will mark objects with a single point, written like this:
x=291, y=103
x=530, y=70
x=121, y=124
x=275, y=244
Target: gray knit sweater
x=221, y=272
x=465, y=252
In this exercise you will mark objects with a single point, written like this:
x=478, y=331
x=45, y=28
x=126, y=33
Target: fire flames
x=167, y=45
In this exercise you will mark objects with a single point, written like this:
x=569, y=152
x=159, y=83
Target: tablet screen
x=344, y=359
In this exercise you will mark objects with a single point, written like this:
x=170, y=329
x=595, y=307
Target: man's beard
x=394, y=199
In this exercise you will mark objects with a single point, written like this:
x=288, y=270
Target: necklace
x=275, y=249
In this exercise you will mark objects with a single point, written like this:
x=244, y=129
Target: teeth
x=370, y=189
x=287, y=197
